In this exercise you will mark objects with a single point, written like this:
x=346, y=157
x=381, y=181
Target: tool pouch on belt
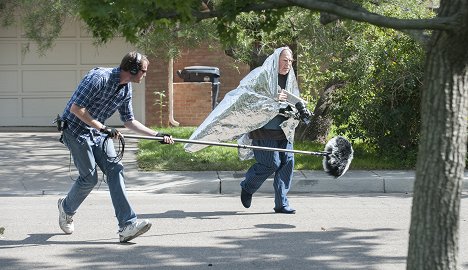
x=61, y=125
x=58, y=121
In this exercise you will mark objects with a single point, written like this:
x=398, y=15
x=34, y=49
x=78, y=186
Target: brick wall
x=157, y=80
x=192, y=102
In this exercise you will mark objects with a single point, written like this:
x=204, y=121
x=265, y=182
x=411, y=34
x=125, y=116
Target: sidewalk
x=36, y=163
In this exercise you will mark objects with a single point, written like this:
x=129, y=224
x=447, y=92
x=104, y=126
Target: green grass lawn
x=153, y=156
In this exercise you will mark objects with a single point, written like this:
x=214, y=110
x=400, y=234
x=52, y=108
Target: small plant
x=161, y=102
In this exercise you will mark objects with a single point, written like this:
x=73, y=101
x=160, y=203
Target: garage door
x=34, y=88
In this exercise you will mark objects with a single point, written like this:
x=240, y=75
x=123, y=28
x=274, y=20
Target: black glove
x=285, y=110
x=303, y=113
x=111, y=132
x=162, y=135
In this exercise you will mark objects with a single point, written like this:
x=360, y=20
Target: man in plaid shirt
x=100, y=93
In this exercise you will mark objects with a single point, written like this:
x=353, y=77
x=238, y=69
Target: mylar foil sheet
x=248, y=107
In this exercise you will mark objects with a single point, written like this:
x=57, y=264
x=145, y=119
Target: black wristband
x=111, y=132
x=162, y=135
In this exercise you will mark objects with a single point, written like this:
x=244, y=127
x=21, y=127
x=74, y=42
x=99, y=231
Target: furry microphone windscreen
x=340, y=154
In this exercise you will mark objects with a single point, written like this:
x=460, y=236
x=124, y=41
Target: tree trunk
x=320, y=123
x=433, y=241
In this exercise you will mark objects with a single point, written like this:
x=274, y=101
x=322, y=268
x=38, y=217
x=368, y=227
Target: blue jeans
x=269, y=162
x=87, y=157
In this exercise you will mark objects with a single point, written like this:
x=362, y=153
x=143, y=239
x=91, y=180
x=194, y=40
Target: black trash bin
x=203, y=74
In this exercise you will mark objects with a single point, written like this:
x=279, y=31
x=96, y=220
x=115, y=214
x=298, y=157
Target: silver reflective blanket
x=248, y=107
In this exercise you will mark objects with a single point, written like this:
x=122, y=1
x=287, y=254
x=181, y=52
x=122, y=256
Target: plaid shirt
x=100, y=94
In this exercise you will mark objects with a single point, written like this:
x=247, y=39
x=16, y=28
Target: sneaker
x=246, y=198
x=285, y=210
x=134, y=230
x=65, y=221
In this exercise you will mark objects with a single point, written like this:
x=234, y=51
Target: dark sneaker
x=65, y=221
x=246, y=198
x=134, y=230
x=285, y=210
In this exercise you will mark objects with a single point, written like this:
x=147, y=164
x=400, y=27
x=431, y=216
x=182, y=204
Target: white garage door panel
x=9, y=108
x=8, y=54
x=69, y=29
x=63, y=53
x=9, y=32
x=9, y=81
x=41, y=108
x=49, y=81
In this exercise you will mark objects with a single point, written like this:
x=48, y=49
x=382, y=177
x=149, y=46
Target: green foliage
x=252, y=28
x=382, y=70
x=8, y=8
x=320, y=54
x=380, y=103
x=249, y=36
x=165, y=41
x=42, y=19
x=143, y=24
x=158, y=27
x=107, y=19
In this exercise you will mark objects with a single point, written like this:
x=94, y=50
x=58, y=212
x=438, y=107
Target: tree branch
x=344, y=9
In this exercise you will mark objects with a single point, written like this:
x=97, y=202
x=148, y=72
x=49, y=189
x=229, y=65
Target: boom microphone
x=336, y=157
x=340, y=154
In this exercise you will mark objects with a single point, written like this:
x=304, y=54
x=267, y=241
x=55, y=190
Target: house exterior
x=35, y=88
x=191, y=100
